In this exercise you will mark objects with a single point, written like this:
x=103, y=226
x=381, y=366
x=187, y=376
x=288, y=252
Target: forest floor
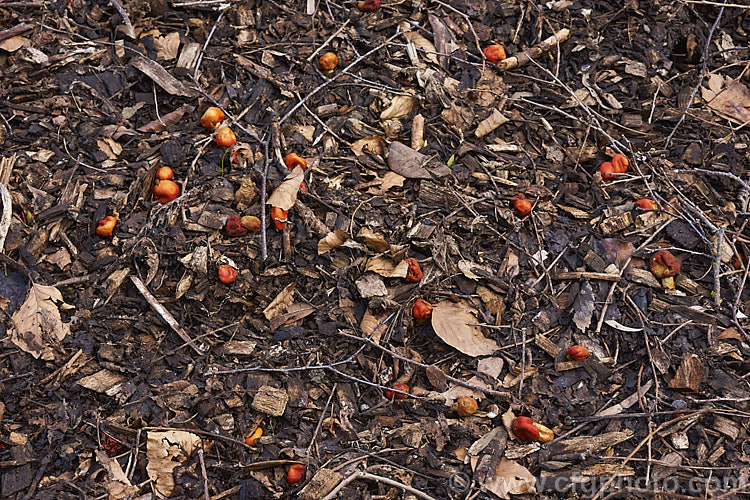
x=130, y=370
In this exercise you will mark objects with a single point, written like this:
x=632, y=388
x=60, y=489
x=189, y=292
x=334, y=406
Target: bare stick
x=263, y=182
x=504, y=395
x=739, y=181
x=534, y=52
x=205, y=44
x=166, y=315
x=15, y=30
x=366, y=475
x=325, y=44
x=336, y=77
x=704, y=69
x=6, y=215
x=205, y=475
x=125, y=18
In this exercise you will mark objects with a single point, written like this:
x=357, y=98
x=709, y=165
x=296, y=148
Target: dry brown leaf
x=118, y=485
x=294, y=313
x=281, y=302
x=285, y=196
x=374, y=240
x=452, y=323
x=109, y=147
x=37, y=323
x=391, y=180
x=728, y=97
x=332, y=240
x=14, y=43
x=401, y=105
x=165, y=451
x=167, y=47
x=511, y=478
x=166, y=121
x=386, y=268
x=412, y=164
x=372, y=324
x=490, y=123
x=422, y=43
x=374, y=145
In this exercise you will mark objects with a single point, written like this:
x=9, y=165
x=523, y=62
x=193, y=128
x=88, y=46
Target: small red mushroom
x=646, y=204
x=234, y=227
x=524, y=429
x=665, y=266
x=397, y=395
x=368, y=5
x=414, y=273
x=621, y=163
x=608, y=171
x=494, y=53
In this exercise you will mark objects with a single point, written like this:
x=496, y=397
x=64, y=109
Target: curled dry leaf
x=285, y=195
x=386, y=268
x=374, y=240
x=332, y=240
x=412, y=164
x=374, y=145
x=453, y=323
x=37, y=323
x=511, y=478
x=401, y=105
x=281, y=302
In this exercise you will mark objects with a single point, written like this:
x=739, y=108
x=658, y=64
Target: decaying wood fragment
x=534, y=52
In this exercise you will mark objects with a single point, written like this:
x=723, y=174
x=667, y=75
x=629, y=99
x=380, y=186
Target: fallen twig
x=704, y=70
x=165, y=315
x=336, y=77
x=15, y=30
x=125, y=18
x=366, y=475
x=527, y=55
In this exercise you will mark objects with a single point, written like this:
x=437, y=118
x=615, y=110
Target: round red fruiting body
x=250, y=222
x=164, y=173
x=106, y=226
x=414, y=273
x=293, y=160
x=608, y=171
x=225, y=137
x=227, y=274
x=295, y=473
x=621, y=163
x=521, y=205
x=279, y=217
x=664, y=264
x=368, y=5
x=212, y=117
x=328, y=62
x=421, y=310
x=577, y=353
x=234, y=227
x=524, y=429
x=494, y=53
x=397, y=395
x=166, y=191
x=465, y=406
x=646, y=204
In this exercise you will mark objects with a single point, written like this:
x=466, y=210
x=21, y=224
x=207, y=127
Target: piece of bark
x=690, y=373
x=162, y=77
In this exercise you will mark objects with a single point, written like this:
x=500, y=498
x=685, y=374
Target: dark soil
x=319, y=320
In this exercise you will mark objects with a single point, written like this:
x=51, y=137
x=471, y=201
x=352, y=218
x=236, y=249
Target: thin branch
x=704, y=69
x=125, y=18
x=380, y=479
x=336, y=77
